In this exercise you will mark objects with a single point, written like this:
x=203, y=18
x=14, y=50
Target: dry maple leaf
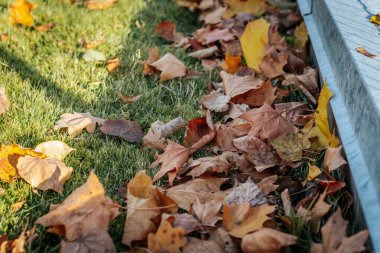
x=308, y=79
x=267, y=185
x=20, y=13
x=248, y=192
x=153, y=57
x=17, y=245
x=196, y=129
x=267, y=240
x=204, y=53
x=260, y=154
x=128, y=99
x=170, y=67
x=334, y=239
x=98, y=4
x=216, y=101
x=125, y=129
x=197, y=245
x=289, y=146
x=184, y=220
x=9, y=155
x=365, y=52
x=205, y=189
x=167, y=31
x=239, y=220
x=294, y=112
x=171, y=160
x=237, y=85
x=256, y=7
x=253, y=42
x=4, y=103
x=207, y=212
x=76, y=122
x=44, y=174
x=267, y=120
x=263, y=94
x=215, y=164
x=84, y=217
x=207, y=36
x=225, y=135
x=112, y=65
x=231, y=63
x=333, y=158
x=167, y=239
x=54, y=149
x=46, y=27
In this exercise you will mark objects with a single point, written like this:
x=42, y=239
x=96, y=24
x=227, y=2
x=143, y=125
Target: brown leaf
x=333, y=158
x=170, y=67
x=4, y=103
x=112, y=65
x=46, y=27
x=167, y=239
x=197, y=245
x=207, y=212
x=215, y=164
x=246, y=193
x=236, y=85
x=153, y=57
x=294, y=112
x=125, y=129
x=267, y=240
x=17, y=206
x=207, y=36
x=224, y=239
x=365, y=52
x=128, y=99
x=216, y=101
x=268, y=121
x=205, y=189
x=274, y=61
x=44, y=174
x=225, y=135
x=258, y=152
x=196, y=129
x=76, y=122
x=184, y=220
x=154, y=140
x=171, y=160
x=264, y=93
x=166, y=30
x=204, y=53
x=98, y=4
x=289, y=146
x=85, y=213
x=309, y=79
x=95, y=242
x=240, y=220
x=267, y=185
x=334, y=237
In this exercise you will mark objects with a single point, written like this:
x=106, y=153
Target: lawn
x=45, y=76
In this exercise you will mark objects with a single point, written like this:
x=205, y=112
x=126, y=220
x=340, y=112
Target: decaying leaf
x=46, y=27
x=167, y=31
x=267, y=240
x=197, y=128
x=365, y=52
x=302, y=36
x=98, y=4
x=4, y=103
x=216, y=164
x=236, y=85
x=267, y=184
x=76, y=122
x=239, y=220
x=334, y=237
x=113, y=64
x=125, y=129
x=54, y=149
x=44, y=174
x=20, y=13
x=167, y=239
x=170, y=67
x=216, y=102
x=253, y=42
x=207, y=212
x=153, y=57
x=204, y=53
x=17, y=206
x=171, y=160
x=256, y=7
x=128, y=99
x=248, y=192
x=19, y=244
x=295, y=112
x=289, y=146
x=9, y=155
x=84, y=218
x=197, y=245
x=333, y=158
x=274, y=61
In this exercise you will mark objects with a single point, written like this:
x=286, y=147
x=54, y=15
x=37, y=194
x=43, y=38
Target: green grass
x=44, y=77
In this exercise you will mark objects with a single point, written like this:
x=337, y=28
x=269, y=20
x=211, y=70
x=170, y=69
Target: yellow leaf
x=20, y=13
x=375, y=19
x=314, y=172
x=255, y=7
x=322, y=128
x=9, y=155
x=253, y=42
x=301, y=35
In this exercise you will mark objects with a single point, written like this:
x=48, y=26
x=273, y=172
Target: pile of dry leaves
x=260, y=181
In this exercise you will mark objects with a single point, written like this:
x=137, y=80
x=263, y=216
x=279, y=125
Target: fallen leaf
x=166, y=30
x=204, y=53
x=253, y=42
x=93, y=55
x=255, y=7
x=258, y=152
x=54, y=149
x=314, y=172
x=99, y=4
x=170, y=67
x=226, y=135
x=184, y=220
x=267, y=240
x=167, y=129
x=171, y=160
x=167, y=239
x=308, y=79
x=333, y=158
x=246, y=193
x=196, y=129
x=274, y=61
x=365, y=52
x=9, y=155
x=268, y=121
x=128, y=99
x=20, y=13
x=222, y=237
x=216, y=102
x=289, y=146
x=17, y=206
x=322, y=128
x=295, y=112
x=125, y=129
x=197, y=245
x=286, y=203
x=4, y=37
x=231, y=63
x=334, y=237
x=267, y=184
x=375, y=19
x=76, y=122
x=2, y=191
x=91, y=44
x=207, y=212
x=205, y=189
x=263, y=94
x=46, y=27
x=236, y=85
x=153, y=57
x=17, y=245
x=302, y=36
x=207, y=36
x=76, y=215
x=112, y=65
x=215, y=164
x=4, y=103
x=44, y=174
x=239, y=220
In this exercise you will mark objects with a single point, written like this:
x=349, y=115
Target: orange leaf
x=20, y=13
x=167, y=239
x=232, y=63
